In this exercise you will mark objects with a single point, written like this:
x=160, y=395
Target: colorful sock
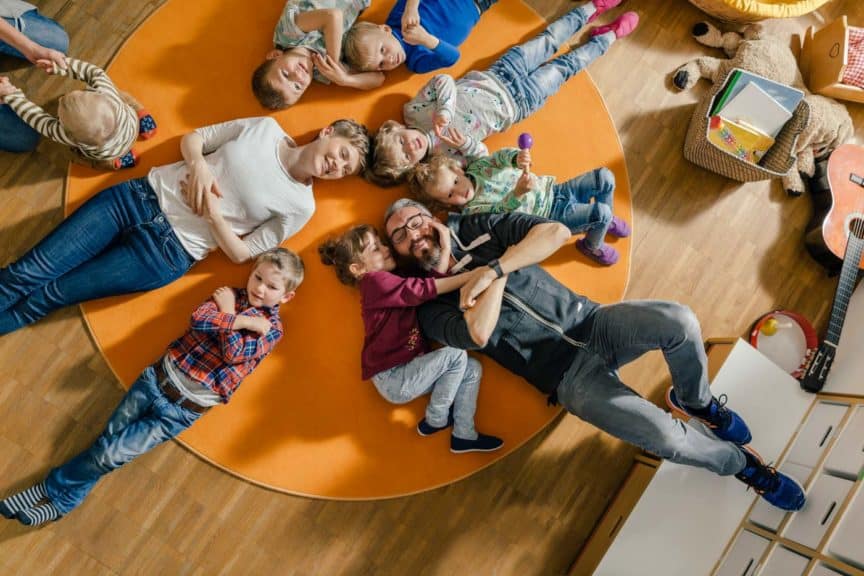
x=38, y=515
x=128, y=160
x=146, y=125
x=23, y=500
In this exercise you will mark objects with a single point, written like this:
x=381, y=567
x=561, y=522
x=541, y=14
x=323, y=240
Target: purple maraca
x=525, y=141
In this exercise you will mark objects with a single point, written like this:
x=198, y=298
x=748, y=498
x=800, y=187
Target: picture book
x=739, y=139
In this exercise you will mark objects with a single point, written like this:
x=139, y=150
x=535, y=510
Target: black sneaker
x=483, y=443
x=426, y=429
x=777, y=488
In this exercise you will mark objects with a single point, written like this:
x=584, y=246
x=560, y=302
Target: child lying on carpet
x=228, y=337
x=308, y=44
x=395, y=355
x=456, y=116
x=502, y=182
x=422, y=34
x=100, y=123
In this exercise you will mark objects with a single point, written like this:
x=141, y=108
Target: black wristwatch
x=496, y=266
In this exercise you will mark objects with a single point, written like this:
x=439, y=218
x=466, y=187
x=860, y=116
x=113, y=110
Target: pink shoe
x=604, y=255
x=622, y=26
x=618, y=228
x=602, y=6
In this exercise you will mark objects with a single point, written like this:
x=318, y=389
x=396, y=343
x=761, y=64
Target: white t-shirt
x=14, y=8
x=260, y=201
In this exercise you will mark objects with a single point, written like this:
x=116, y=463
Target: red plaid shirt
x=854, y=72
x=213, y=353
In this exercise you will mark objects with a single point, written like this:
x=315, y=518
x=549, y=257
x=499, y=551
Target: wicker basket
x=776, y=162
x=754, y=10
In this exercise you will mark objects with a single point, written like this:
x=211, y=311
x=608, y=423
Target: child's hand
x=6, y=86
x=225, y=300
x=451, y=136
x=410, y=18
x=418, y=36
x=53, y=58
x=443, y=236
x=257, y=324
x=50, y=66
x=523, y=160
x=331, y=69
x=525, y=183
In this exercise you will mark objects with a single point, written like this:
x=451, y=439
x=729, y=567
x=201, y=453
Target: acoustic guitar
x=843, y=233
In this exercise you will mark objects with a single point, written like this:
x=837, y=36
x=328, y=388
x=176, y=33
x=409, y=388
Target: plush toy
x=757, y=52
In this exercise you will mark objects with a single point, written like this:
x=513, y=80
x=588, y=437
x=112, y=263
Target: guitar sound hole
x=856, y=227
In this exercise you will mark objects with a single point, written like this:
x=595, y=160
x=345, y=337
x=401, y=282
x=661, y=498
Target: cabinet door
x=744, y=555
x=816, y=434
x=824, y=500
x=784, y=562
x=847, y=457
x=847, y=543
x=822, y=570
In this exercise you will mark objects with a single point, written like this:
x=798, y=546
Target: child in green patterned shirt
x=503, y=182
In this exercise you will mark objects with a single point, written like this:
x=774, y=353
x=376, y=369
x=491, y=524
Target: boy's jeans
x=571, y=204
x=144, y=419
x=523, y=69
x=118, y=242
x=15, y=134
x=591, y=389
x=450, y=374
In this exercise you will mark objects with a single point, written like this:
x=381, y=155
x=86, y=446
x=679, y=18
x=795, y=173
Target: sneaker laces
x=722, y=413
x=765, y=478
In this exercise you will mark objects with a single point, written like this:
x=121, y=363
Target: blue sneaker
x=483, y=443
x=777, y=488
x=723, y=422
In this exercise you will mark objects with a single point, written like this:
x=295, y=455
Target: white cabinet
x=847, y=457
x=822, y=570
x=824, y=500
x=744, y=556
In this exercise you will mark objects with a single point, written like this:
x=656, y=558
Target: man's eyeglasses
x=398, y=235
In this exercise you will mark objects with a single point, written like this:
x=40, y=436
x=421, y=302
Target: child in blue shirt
x=424, y=35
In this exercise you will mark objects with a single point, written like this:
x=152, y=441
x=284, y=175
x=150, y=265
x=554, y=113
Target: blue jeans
x=118, y=242
x=15, y=134
x=572, y=206
x=144, y=419
x=527, y=75
x=449, y=374
x=591, y=389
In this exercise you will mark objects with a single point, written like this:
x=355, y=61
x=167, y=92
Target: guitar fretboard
x=848, y=276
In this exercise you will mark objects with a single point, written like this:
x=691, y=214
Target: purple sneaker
x=618, y=228
x=605, y=255
x=602, y=6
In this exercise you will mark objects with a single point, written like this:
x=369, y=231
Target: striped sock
x=38, y=515
x=22, y=500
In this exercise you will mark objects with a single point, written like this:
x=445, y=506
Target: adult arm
x=542, y=240
x=441, y=320
x=30, y=49
x=194, y=146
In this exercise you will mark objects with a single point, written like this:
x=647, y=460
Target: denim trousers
x=449, y=374
x=118, y=242
x=572, y=206
x=591, y=389
x=530, y=79
x=15, y=134
x=144, y=419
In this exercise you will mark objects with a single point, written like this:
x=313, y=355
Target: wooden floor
x=729, y=251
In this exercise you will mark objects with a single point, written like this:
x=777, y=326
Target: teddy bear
x=755, y=51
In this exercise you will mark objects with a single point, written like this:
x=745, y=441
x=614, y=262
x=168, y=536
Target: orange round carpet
x=304, y=422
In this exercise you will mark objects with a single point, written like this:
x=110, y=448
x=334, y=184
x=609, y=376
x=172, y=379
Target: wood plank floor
x=729, y=251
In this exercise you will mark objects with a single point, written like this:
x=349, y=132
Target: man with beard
x=570, y=348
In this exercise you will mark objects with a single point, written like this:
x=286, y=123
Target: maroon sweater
x=389, y=308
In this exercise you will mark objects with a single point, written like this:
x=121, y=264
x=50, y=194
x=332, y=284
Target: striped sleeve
x=94, y=76
x=37, y=118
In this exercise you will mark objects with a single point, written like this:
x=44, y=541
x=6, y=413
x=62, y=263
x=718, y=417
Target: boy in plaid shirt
x=229, y=335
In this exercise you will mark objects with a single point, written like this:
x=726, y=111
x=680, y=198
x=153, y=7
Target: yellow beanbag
x=753, y=10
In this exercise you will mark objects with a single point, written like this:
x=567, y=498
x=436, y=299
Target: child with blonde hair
x=100, y=123
x=228, y=337
x=456, y=116
x=396, y=356
x=503, y=182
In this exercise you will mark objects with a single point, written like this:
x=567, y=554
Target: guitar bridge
x=855, y=178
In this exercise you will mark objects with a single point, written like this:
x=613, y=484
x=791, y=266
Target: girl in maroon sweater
x=395, y=355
